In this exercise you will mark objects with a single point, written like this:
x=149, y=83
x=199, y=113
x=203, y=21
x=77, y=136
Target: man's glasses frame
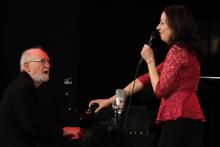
x=44, y=61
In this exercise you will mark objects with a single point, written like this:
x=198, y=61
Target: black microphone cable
x=152, y=37
x=131, y=96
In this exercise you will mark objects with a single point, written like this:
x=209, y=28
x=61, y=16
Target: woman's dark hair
x=184, y=27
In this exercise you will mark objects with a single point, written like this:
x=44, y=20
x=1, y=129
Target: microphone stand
x=67, y=85
x=116, y=117
x=118, y=106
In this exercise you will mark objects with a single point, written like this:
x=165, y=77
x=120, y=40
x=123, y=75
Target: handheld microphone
x=152, y=37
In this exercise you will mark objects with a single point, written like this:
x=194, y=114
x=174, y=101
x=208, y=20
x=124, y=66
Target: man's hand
x=73, y=132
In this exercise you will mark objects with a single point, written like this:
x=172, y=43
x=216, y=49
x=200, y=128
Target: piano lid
x=209, y=78
x=209, y=84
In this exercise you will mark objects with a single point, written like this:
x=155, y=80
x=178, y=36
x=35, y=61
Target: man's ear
x=26, y=67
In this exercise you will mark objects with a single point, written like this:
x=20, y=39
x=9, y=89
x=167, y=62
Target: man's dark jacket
x=20, y=125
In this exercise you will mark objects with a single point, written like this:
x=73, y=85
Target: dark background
x=96, y=45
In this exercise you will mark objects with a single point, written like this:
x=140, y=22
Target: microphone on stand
x=153, y=36
x=68, y=83
x=118, y=105
x=120, y=100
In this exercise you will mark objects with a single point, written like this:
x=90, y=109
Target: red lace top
x=177, y=86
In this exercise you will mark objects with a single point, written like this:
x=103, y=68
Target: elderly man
x=20, y=125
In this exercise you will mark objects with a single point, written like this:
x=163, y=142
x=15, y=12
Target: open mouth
x=46, y=72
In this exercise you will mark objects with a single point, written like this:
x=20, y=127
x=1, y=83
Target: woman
x=175, y=81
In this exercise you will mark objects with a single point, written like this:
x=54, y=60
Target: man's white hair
x=26, y=56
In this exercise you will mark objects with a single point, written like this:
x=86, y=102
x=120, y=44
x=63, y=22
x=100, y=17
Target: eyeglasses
x=44, y=61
